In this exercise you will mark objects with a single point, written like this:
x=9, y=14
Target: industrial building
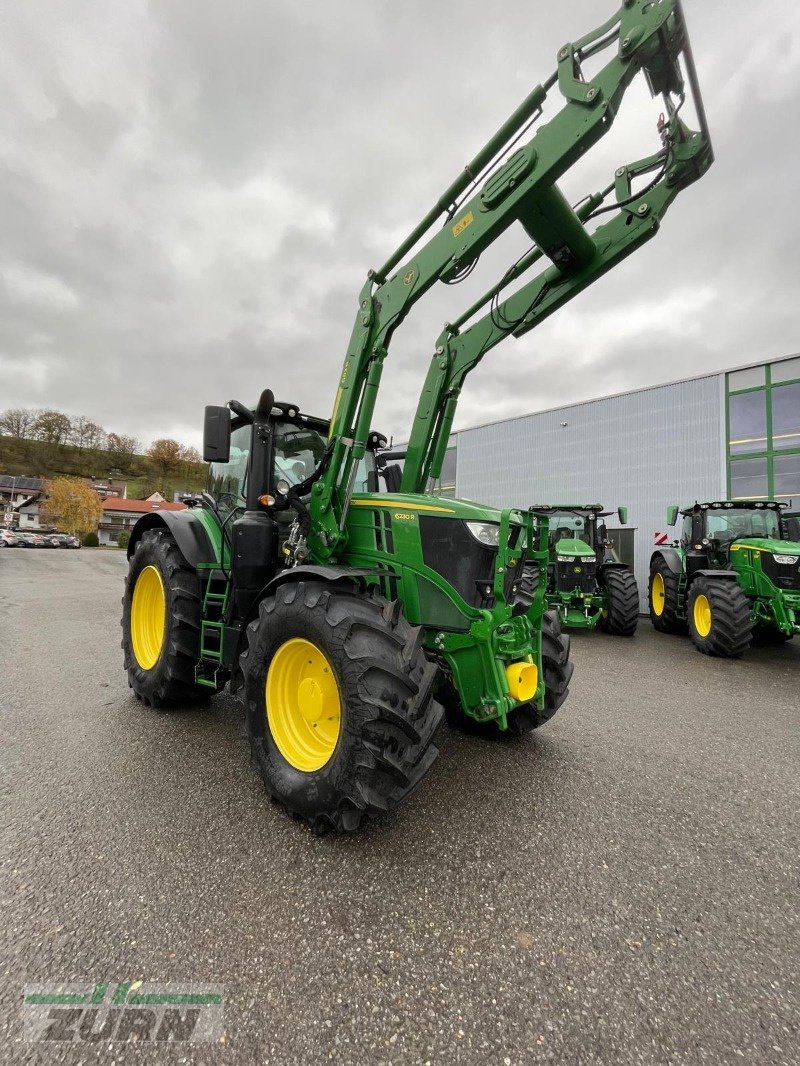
x=723, y=435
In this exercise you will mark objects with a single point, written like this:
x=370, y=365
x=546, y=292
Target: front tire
x=719, y=618
x=622, y=613
x=161, y=614
x=341, y=733
x=663, y=598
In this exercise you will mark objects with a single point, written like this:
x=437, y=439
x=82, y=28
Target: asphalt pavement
x=621, y=887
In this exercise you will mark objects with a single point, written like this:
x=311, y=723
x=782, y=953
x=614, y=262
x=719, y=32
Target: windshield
x=566, y=525
x=736, y=522
x=226, y=481
x=299, y=450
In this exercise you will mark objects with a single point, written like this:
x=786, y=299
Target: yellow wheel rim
x=148, y=617
x=658, y=595
x=702, y=615
x=304, y=708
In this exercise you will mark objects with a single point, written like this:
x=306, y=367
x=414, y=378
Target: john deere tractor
x=734, y=575
x=336, y=611
x=587, y=585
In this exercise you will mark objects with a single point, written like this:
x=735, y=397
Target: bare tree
x=17, y=422
x=121, y=449
x=52, y=427
x=84, y=432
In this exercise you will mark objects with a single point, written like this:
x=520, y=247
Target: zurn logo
x=101, y=1011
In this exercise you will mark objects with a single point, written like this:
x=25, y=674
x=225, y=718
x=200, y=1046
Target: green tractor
x=587, y=585
x=335, y=595
x=733, y=576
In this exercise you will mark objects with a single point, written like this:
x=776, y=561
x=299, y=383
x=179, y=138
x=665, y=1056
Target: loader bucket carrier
x=345, y=616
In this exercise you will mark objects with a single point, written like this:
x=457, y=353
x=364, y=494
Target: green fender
x=187, y=529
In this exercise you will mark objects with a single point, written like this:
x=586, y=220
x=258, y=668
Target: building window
x=750, y=378
x=747, y=421
x=788, y=370
x=786, y=416
x=786, y=474
x=763, y=406
x=749, y=479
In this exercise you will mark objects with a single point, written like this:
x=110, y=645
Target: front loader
x=732, y=577
x=587, y=585
x=337, y=612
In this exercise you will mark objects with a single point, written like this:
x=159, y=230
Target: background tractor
x=734, y=575
x=337, y=611
x=587, y=585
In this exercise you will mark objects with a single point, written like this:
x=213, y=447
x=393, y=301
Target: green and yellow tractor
x=337, y=611
x=587, y=585
x=731, y=578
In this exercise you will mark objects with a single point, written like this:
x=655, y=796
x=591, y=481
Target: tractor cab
x=713, y=533
x=579, y=545
x=263, y=462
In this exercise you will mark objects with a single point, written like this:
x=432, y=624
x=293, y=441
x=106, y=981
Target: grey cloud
x=193, y=193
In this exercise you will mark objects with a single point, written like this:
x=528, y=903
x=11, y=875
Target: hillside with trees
x=51, y=444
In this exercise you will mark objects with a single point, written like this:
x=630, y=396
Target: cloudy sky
x=191, y=193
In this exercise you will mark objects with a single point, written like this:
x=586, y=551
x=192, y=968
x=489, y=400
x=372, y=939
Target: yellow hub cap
x=702, y=615
x=304, y=709
x=148, y=617
x=658, y=595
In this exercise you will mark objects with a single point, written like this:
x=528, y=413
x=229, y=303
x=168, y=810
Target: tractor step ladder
x=212, y=629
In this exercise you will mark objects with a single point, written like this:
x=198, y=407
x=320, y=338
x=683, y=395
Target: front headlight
x=485, y=532
x=786, y=560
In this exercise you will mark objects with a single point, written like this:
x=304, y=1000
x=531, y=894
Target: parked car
x=72, y=541
x=53, y=540
x=8, y=539
x=30, y=540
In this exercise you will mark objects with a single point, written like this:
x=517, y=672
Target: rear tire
x=622, y=615
x=165, y=677
x=382, y=746
x=719, y=618
x=523, y=719
x=663, y=598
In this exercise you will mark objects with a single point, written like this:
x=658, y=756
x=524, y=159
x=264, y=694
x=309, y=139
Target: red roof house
x=119, y=515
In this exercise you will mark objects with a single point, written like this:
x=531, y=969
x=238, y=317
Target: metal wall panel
x=644, y=449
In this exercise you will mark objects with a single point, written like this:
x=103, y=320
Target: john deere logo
x=409, y=276
x=123, y=1010
x=578, y=569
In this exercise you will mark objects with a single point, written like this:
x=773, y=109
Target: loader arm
x=496, y=190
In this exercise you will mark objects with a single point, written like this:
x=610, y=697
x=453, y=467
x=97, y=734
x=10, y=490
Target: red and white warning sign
x=662, y=538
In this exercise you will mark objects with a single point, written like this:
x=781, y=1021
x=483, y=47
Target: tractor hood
x=767, y=544
x=574, y=548
x=445, y=507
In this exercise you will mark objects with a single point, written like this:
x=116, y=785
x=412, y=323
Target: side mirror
x=672, y=514
x=622, y=513
x=217, y=435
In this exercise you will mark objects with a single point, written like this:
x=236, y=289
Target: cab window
x=686, y=532
x=299, y=451
x=227, y=482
